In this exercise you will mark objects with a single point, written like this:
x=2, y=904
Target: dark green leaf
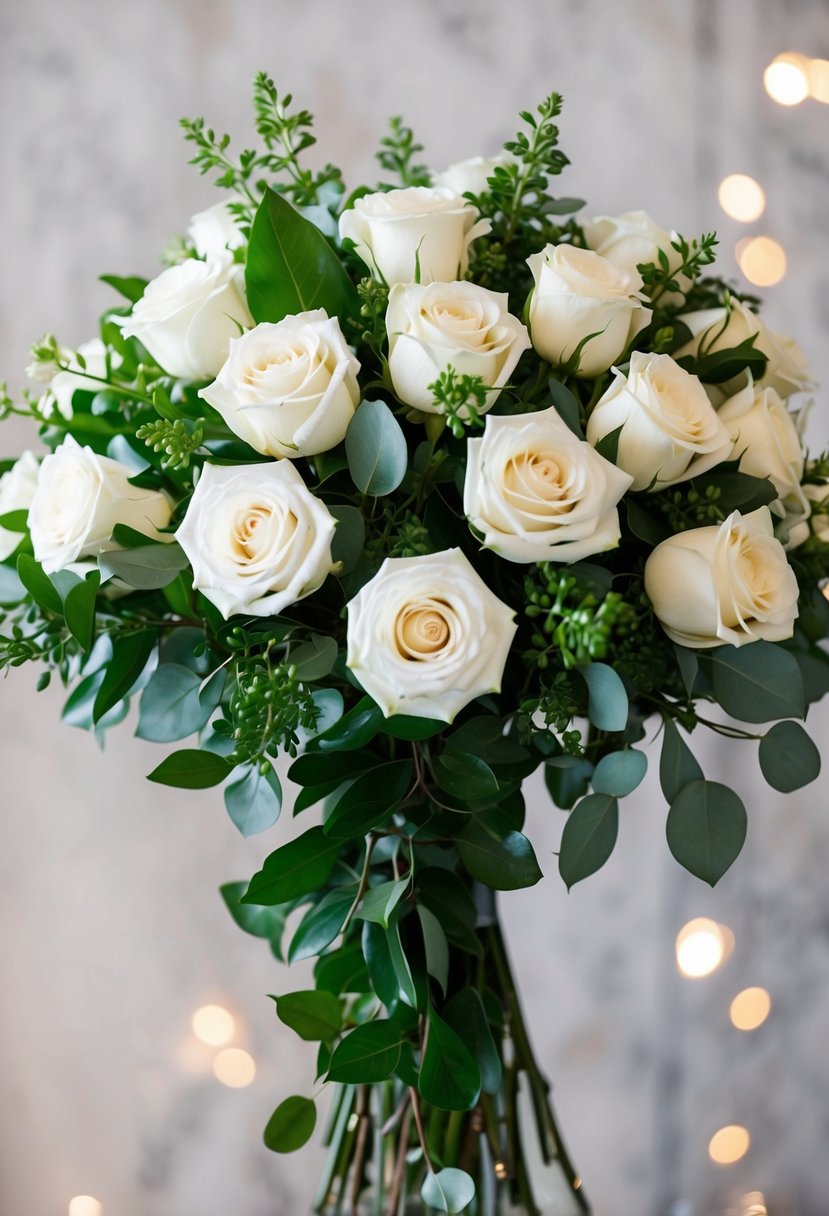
x=79, y=610
x=314, y=1015
x=449, y=1077
x=349, y=536
x=383, y=977
x=268, y=923
x=379, y=902
x=321, y=924
x=375, y=445
x=331, y=767
x=315, y=658
x=588, y=837
x=567, y=406
x=38, y=584
x=369, y=800
x=740, y=491
x=291, y=1125
x=449, y=1190
x=758, y=682
x=448, y=897
x=368, y=1055
x=567, y=779
x=607, y=705
x=130, y=655
x=788, y=757
x=191, y=769
x=466, y=1015
x=353, y=730
x=401, y=726
x=465, y=776
x=253, y=799
x=688, y=664
x=146, y=568
x=678, y=766
x=400, y=963
x=643, y=525
x=504, y=865
x=298, y=868
x=608, y=445
x=435, y=946
x=706, y=829
x=619, y=773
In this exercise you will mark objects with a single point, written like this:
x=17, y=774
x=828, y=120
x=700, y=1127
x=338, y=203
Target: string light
x=742, y=197
x=213, y=1025
x=750, y=1008
x=84, y=1205
x=729, y=1144
x=819, y=80
x=762, y=260
x=787, y=79
x=234, y=1067
x=701, y=946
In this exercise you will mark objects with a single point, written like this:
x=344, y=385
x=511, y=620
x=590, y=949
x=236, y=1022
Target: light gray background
x=111, y=931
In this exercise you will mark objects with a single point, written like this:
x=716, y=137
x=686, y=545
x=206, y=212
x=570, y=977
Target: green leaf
x=740, y=491
x=15, y=521
x=79, y=610
x=435, y=945
x=465, y=776
x=354, y=730
x=146, y=567
x=191, y=769
x=678, y=766
x=315, y=658
x=466, y=1015
x=402, y=970
x=349, y=536
x=367, y=1055
x=291, y=268
x=450, y=1190
x=268, y=923
x=375, y=445
x=758, y=682
x=588, y=838
x=382, y=975
x=504, y=865
x=291, y=1125
x=608, y=445
x=449, y=1077
x=379, y=902
x=322, y=924
x=369, y=800
x=38, y=584
x=298, y=868
x=315, y=1016
x=619, y=773
x=131, y=287
x=788, y=757
x=688, y=664
x=706, y=829
x=253, y=799
x=171, y=705
x=567, y=779
x=331, y=767
x=401, y=726
x=130, y=655
x=567, y=406
x=607, y=706
x=445, y=894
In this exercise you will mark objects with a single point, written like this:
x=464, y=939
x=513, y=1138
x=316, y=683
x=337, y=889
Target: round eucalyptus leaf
x=449, y=1190
x=788, y=757
x=619, y=773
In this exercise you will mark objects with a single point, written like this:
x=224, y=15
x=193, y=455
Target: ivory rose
x=729, y=583
x=469, y=176
x=669, y=429
x=630, y=240
x=257, y=538
x=214, y=230
x=289, y=388
x=767, y=443
x=539, y=493
x=17, y=489
x=458, y=324
x=580, y=298
x=90, y=360
x=425, y=228
x=188, y=316
x=426, y=636
x=80, y=497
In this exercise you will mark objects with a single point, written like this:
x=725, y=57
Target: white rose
x=670, y=430
x=580, y=295
x=714, y=329
x=17, y=489
x=729, y=583
x=80, y=497
x=426, y=636
x=290, y=388
x=257, y=538
x=422, y=227
x=469, y=176
x=469, y=327
x=214, y=231
x=768, y=444
x=633, y=239
x=188, y=316
x=818, y=495
x=64, y=384
x=538, y=493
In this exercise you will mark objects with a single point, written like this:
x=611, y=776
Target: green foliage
x=589, y=837
x=368, y=1054
x=758, y=683
x=505, y=864
x=313, y=1015
x=397, y=152
x=706, y=829
x=176, y=441
x=788, y=757
x=376, y=449
x=576, y=618
x=694, y=255
x=449, y=1077
x=269, y=703
x=291, y=1125
x=461, y=398
x=449, y=1190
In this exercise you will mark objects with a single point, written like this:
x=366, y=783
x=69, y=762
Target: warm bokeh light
x=819, y=80
x=753, y=1204
x=234, y=1067
x=762, y=260
x=787, y=79
x=213, y=1025
x=84, y=1205
x=750, y=1008
x=729, y=1144
x=700, y=947
x=742, y=197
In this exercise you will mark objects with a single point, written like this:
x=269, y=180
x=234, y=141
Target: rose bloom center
x=421, y=632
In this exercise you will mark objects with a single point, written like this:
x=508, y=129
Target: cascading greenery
x=408, y=824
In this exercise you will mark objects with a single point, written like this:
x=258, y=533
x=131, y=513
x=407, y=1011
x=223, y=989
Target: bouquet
x=424, y=486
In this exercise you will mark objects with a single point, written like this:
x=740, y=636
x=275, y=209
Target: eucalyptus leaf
x=588, y=838
x=607, y=705
x=146, y=567
x=376, y=448
x=619, y=773
x=706, y=829
x=465, y=776
x=449, y=1190
x=505, y=865
x=171, y=705
x=758, y=682
x=788, y=757
x=253, y=798
x=314, y=659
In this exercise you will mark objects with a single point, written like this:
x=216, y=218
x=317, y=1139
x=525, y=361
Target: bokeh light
x=700, y=947
x=762, y=260
x=214, y=1025
x=742, y=197
x=753, y=1203
x=234, y=1067
x=819, y=80
x=787, y=79
x=729, y=1144
x=84, y=1205
x=750, y=1008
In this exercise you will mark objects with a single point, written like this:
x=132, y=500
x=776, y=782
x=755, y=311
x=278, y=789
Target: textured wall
x=111, y=932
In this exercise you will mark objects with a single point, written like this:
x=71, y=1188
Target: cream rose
x=469, y=327
x=724, y=584
x=257, y=538
x=540, y=494
x=90, y=358
x=714, y=329
x=17, y=489
x=290, y=388
x=422, y=227
x=426, y=636
x=214, y=230
x=469, y=176
x=630, y=240
x=80, y=497
x=669, y=429
x=581, y=297
x=818, y=496
x=767, y=443
x=188, y=316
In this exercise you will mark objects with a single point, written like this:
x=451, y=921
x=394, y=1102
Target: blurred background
x=112, y=933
